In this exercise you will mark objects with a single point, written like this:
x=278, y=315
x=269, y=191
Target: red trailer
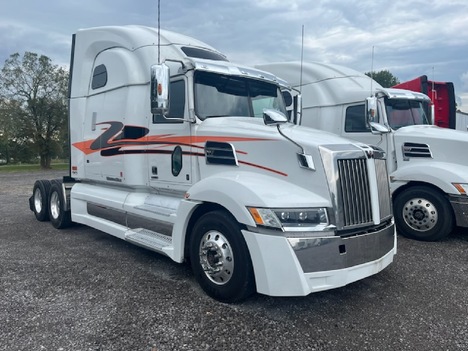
x=442, y=95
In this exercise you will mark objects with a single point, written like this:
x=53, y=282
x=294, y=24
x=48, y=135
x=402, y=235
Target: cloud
x=20, y=37
x=462, y=102
x=464, y=80
x=410, y=37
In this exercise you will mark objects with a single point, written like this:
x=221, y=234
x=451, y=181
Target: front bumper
x=298, y=267
x=460, y=209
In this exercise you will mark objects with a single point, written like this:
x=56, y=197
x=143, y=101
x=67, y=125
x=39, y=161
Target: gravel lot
x=80, y=289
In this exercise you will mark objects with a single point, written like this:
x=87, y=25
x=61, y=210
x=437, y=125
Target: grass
x=30, y=167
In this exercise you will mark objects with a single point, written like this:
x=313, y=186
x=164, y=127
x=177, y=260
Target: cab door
x=169, y=147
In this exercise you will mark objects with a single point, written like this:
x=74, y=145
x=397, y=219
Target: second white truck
x=427, y=165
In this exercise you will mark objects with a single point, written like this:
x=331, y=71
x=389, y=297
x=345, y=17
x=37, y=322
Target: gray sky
x=410, y=37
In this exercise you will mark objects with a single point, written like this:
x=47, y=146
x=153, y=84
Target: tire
x=220, y=258
x=39, y=201
x=423, y=213
x=58, y=216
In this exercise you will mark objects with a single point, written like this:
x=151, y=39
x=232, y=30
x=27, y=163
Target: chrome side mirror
x=377, y=128
x=371, y=109
x=273, y=117
x=159, y=85
x=298, y=110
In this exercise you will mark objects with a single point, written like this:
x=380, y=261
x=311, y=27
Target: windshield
x=218, y=95
x=404, y=112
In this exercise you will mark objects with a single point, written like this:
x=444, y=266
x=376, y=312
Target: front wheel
x=423, y=213
x=59, y=217
x=220, y=258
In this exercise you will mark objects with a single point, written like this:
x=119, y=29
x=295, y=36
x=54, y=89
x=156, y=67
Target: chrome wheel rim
x=38, y=200
x=216, y=257
x=54, y=205
x=420, y=214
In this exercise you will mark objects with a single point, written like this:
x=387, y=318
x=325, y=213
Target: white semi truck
x=428, y=166
x=194, y=158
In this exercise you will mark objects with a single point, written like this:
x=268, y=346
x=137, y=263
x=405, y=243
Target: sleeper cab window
x=99, y=77
x=176, y=104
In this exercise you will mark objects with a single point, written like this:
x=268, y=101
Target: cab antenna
x=159, y=29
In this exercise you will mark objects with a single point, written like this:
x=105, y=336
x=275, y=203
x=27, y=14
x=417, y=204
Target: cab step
x=149, y=239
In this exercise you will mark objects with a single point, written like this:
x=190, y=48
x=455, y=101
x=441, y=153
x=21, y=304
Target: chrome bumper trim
x=332, y=253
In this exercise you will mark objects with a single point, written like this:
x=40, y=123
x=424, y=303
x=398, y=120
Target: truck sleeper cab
x=194, y=159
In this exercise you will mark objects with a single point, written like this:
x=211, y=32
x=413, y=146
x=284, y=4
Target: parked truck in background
x=427, y=165
x=443, y=102
x=194, y=158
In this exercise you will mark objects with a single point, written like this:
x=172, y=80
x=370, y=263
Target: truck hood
x=308, y=138
x=313, y=138
x=262, y=159
x=445, y=145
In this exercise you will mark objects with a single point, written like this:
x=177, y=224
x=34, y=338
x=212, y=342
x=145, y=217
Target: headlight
x=461, y=187
x=290, y=219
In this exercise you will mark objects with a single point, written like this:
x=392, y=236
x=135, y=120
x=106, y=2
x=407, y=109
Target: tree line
x=384, y=77
x=34, y=109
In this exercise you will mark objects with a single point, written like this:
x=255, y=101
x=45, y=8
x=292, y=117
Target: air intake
x=217, y=153
x=415, y=150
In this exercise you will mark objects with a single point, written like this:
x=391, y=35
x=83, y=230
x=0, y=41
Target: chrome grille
x=383, y=188
x=359, y=194
x=354, y=192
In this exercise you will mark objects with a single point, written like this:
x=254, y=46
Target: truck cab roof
x=91, y=45
x=328, y=84
x=331, y=84
x=133, y=37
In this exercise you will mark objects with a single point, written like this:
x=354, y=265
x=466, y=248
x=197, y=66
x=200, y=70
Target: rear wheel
x=59, y=217
x=39, y=202
x=220, y=258
x=423, y=213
